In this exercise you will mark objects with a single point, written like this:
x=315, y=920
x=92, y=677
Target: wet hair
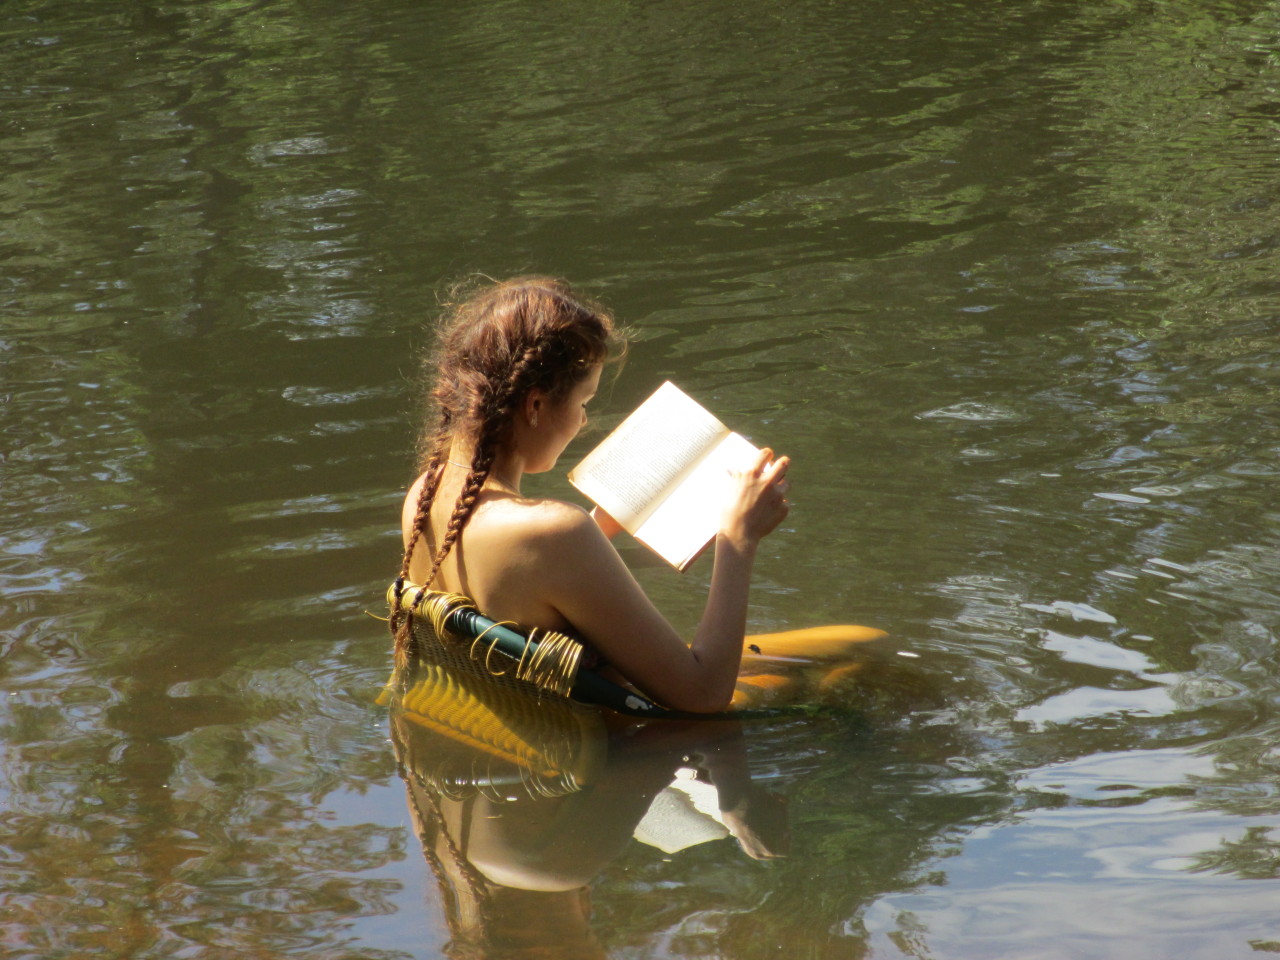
x=496, y=343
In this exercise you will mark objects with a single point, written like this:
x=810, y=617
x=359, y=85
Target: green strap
x=588, y=686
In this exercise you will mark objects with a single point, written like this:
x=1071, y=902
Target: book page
x=633, y=467
x=686, y=521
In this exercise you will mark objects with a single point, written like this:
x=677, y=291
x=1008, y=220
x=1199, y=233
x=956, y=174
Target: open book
x=663, y=474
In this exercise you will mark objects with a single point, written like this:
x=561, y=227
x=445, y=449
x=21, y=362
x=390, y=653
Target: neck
x=506, y=472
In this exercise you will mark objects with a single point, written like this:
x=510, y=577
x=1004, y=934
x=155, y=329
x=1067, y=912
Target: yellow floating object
x=838, y=675
x=752, y=690
x=834, y=642
x=765, y=681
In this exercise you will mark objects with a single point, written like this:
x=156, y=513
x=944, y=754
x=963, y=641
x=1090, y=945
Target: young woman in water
x=516, y=366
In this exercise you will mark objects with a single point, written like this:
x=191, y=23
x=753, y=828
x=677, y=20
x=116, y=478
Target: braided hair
x=496, y=345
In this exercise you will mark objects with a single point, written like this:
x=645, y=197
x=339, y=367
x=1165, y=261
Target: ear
x=534, y=401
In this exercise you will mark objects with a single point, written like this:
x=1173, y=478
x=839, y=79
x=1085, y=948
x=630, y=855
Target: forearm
x=717, y=644
x=607, y=524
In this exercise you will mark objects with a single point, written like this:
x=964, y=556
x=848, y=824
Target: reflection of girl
x=487, y=919
x=514, y=866
x=516, y=366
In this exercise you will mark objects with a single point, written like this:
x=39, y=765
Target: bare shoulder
x=415, y=491
x=555, y=518
x=541, y=523
x=523, y=555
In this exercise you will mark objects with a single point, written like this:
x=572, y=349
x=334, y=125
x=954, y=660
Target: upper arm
x=591, y=588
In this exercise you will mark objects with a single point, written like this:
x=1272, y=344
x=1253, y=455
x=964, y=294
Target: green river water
x=1002, y=277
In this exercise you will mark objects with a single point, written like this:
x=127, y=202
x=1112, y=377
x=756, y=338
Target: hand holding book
x=758, y=501
x=666, y=474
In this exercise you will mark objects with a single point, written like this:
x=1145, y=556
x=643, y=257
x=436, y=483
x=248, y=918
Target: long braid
x=481, y=465
x=486, y=446
x=434, y=471
x=401, y=622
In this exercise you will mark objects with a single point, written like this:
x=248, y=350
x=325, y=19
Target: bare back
x=503, y=554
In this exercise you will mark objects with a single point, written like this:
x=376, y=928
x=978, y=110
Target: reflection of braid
x=431, y=828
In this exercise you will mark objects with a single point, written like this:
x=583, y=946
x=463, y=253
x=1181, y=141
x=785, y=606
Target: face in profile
x=559, y=421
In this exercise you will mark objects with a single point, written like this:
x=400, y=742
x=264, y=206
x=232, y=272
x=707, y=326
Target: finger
x=761, y=462
x=777, y=470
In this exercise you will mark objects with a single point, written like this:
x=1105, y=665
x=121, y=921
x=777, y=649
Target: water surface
x=1001, y=277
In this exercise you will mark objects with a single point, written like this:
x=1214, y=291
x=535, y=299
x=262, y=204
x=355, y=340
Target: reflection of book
x=663, y=474
x=683, y=815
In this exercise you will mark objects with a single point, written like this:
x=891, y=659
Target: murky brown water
x=1001, y=277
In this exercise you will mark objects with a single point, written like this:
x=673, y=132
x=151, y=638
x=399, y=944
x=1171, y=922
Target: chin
x=542, y=467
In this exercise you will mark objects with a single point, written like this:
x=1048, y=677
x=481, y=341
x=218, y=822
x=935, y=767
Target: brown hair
x=497, y=343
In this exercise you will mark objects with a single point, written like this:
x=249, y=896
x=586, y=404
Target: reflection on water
x=522, y=804
x=516, y=834
x=1001, y=278
x=515, y=865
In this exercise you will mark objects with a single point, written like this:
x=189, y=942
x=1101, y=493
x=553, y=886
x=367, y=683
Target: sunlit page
x=650, y=451
x=689, y=517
